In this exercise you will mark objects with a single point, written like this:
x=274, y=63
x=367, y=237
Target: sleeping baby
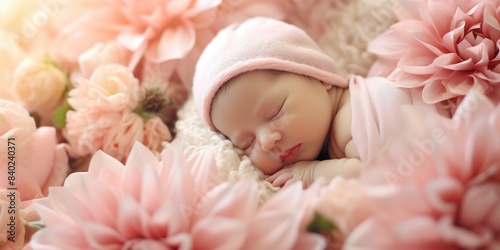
x=266, y=86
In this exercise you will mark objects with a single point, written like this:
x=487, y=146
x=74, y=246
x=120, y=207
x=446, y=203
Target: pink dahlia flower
x=442, y=48
x=37, y=160
x=157, y=30
x=177, y=203
x=439, y=187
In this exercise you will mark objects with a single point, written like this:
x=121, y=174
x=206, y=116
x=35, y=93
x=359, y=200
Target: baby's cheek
x=264, y=162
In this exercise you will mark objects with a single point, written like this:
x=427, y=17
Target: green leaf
x=36, y=224
x=320, y=224
x=59, y=115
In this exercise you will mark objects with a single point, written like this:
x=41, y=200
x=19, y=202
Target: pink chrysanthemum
x=439, y=187
x=172, y=204
x=443, y=48
x=109, y=114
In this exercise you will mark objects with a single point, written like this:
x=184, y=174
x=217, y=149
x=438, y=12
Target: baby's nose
x=268, y=138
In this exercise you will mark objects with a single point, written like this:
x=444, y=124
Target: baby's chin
x=271, y=168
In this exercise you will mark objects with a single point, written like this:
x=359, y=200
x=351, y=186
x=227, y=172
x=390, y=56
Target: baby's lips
x=290, y=154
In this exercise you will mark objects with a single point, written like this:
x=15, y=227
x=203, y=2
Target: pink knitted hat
x=258, y=44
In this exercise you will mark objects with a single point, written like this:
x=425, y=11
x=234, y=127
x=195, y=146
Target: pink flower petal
x=176, y=8
x=417, y=62
x=414, y=34
x=103, y=198
x=52, y=212
x=132, y=41
x=224, y=201
x=279, y=237
x=388, y=45
x=444, y=194
x=145, y=243
x=106, y=168
x=99, y=25
x=477, y=53
x=169, y=219
x=203, y=13
x=289, y=195
x=186, y=66
x=204, y=169
x=61, y=236
x=424, y=226
x=402, y=79
x=488, y=195
x=130, y=218
x=202, y=6
x=73, y=204
x=174, y=43
x=491, y=24
x=370, y=235
x=451, y=61
x=101, y=237
x=441, y=13
x=459, y=83
x=462, y=237
x=219, y=233
x=435, y=92
x=310, y=241
x=141, y=177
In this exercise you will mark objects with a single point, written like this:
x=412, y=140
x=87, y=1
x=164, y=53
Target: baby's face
x=276, y=118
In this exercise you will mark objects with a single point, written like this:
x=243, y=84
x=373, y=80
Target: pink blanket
x=376, y=112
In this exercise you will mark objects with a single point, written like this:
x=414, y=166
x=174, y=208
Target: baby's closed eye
x=247, y=142
x=277, y=111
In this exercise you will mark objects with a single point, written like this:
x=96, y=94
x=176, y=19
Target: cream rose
x=39, y=85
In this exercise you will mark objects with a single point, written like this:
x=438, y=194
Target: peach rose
x=39, y=85
x=112, y=86
x=12, y=230
x=100, y=54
